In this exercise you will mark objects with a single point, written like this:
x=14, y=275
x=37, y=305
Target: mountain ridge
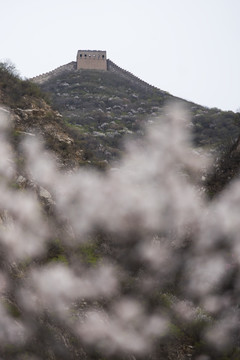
x=111, y=67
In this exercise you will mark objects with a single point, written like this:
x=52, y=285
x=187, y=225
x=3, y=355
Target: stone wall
x=92, y=60
x=111, y=66
x=44, y=77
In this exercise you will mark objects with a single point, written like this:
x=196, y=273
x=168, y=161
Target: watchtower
x=92, y=59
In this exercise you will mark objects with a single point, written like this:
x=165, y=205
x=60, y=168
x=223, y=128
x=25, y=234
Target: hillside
x=131, y=263
x=103, y=107
x=32, y=115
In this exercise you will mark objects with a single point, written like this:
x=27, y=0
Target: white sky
x=190, y=48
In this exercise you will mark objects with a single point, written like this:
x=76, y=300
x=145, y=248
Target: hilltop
x=102, y=107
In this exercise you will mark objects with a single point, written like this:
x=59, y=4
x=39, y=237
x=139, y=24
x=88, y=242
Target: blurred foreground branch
x=134, y=263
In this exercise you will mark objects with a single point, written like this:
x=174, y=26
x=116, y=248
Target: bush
x=15, y=88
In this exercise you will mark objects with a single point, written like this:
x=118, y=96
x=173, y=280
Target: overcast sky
x=190, y=48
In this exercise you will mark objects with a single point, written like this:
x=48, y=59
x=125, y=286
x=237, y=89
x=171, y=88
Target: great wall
x=111, y=66
x=44, y=77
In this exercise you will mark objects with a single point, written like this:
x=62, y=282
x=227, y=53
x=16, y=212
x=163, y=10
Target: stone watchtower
x=92, y=59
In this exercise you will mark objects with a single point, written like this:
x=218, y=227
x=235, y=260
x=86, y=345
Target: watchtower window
x=80, y=55
x=103, y=56
x=85, y=55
